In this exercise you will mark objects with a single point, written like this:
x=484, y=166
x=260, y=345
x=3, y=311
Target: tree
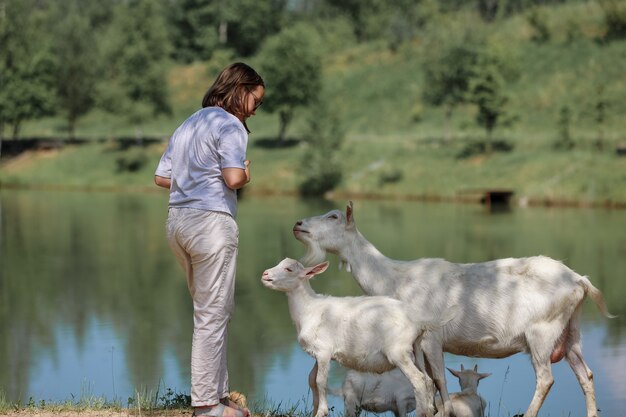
x=487, y=90
x=136, y=49
x=250, y=22
x=195, y=29
x=538, y=19
x=26, y=61
x=371, y=19
x=447, y=78
x=564, y=122
x=199, y=27
x=320, y=166
x=600, y=106
x=614, y=18
x=292, y=70
x=471, y=71
x=75, y=48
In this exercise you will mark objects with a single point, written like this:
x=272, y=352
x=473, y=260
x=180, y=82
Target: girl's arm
x=163, y=181
x=236, y=178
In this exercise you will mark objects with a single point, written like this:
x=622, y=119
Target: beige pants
x=205, y=244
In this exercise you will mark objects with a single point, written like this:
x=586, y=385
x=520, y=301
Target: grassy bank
x=147, y=403
x=394, y=168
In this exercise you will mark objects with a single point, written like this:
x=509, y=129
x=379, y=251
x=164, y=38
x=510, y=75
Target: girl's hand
x=247, y=170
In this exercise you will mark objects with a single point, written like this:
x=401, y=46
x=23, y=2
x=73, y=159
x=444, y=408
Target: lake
x=93, y=303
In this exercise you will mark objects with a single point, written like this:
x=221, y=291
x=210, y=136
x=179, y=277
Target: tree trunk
x=16, y=129
x=223, y=33
x=447, y=133
x=71, y=128
x=488, y=144
x=285, y=119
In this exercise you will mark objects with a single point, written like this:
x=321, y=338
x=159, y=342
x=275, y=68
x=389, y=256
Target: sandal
x=218, y=410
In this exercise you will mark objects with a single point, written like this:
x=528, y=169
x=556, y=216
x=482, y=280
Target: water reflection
x=92, y=301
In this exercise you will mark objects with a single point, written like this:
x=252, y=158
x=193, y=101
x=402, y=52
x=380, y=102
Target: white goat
x=507, y=306
x=369, y=334
x=391, y=391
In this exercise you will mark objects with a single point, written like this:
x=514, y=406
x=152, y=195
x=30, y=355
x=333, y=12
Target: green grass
x=147, y=402
x=83, y=402
x=143, y=400
x=397, y=167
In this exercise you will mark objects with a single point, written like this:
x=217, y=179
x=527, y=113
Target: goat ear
x=453, y=372
x=315, y=270
x=481, y=376
x=350, y=215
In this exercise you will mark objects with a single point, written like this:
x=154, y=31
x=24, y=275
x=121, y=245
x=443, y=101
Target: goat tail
x=596, y=296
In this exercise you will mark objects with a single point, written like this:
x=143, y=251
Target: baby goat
x=391, y=391
x=467, y=403
x=366, y=333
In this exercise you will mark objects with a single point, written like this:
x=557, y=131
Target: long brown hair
x=229, y=87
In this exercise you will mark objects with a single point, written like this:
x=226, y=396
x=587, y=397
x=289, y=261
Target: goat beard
x=314, y=255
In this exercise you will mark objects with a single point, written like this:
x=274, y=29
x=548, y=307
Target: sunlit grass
x=143, y=400
x=148, y=402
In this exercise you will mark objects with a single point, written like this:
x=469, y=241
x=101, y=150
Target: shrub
x=615, y=18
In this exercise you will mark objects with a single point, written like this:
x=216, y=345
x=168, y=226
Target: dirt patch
x=27, y=159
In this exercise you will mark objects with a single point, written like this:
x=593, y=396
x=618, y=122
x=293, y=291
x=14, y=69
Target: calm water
x=92, y=302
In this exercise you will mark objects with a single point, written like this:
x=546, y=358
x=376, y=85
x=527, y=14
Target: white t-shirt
x=210, y=140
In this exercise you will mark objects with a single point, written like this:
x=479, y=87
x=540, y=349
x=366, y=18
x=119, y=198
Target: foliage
x=600, y=107
x=537, y=19
x=194, y=29
x=491, y=10
x=408, y=19
x=390, y=176
x=564, y=140
x=615, y=18
x=132, y=161
x=292, y=71
x=487, y=90
x=396, y=22
x=199, y=28
x=320, y=165
x=335, y=34
x=76, y=75
x=370, y=18
x=26, y=65
x=447, y=76
x=250, y=22
x=377, y=90
x=136, y=48
x=172, y=399
x=478, y=147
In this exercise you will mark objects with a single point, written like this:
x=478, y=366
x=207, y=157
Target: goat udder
x=558, y=352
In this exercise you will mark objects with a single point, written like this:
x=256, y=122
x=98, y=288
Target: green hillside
x=397, y=145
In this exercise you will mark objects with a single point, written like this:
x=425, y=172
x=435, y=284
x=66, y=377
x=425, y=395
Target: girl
x=203, y=167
